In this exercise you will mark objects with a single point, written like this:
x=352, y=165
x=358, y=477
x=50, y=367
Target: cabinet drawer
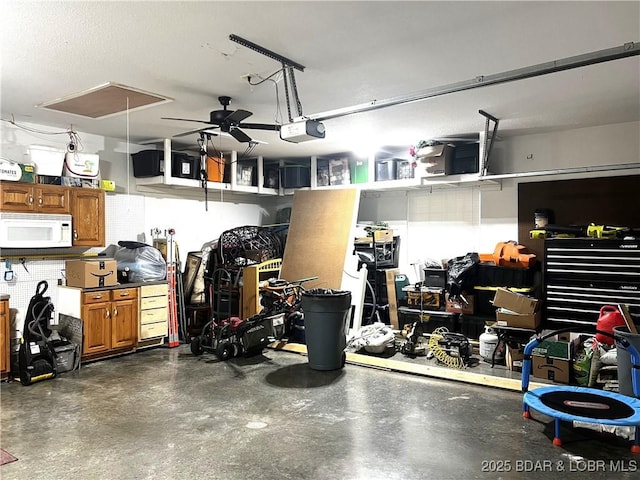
x=153, y=302
x=121, y=293
x=154, y=315
x=96, y=297
x=159, y=329
x=153, y=290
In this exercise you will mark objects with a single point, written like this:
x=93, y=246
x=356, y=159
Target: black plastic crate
x=295, y=176
x=491, y=275
x=148, y=163
x=435, y=277
x=431, y=319
x=472, y=326
x=185, y=166
x=386, y=170
x=466, y=159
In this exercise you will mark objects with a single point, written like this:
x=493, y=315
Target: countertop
x=119, y=285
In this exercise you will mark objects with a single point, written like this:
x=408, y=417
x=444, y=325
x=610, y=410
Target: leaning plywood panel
x=320, y=238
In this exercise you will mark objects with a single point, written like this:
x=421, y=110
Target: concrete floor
x=163, y=413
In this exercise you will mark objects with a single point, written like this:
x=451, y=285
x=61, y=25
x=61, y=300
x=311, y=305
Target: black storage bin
x=295, y=176
x=466, y=159
x=185, y=166
x=247, y=174
x=386, y=170
x=431, y=319
x=472, y=326
x=435, y=277
x=491, y=275
x=271, y=177
x=484, y=301
x=148, y=163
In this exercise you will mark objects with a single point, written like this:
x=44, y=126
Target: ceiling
x=353, y=52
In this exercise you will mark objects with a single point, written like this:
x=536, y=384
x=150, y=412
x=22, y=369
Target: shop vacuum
x=36, y=355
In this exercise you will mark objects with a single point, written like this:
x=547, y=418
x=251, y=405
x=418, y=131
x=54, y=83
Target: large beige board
x=320, y=236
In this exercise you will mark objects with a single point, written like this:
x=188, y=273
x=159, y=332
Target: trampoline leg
x=635, y=448
x=525, y=410
x=556, y=440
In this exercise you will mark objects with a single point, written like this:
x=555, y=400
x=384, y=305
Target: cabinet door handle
x=107, y=314
x=97, y=296
x=115, y=312
x=124, y=294
x=75, y=234
x=40, y=201
x=30, y=199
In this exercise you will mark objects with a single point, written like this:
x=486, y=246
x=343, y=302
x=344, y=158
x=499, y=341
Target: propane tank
x=488, y=344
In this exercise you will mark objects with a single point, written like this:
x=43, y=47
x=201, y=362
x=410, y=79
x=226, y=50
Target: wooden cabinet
x=26, y=197
x=86, y=206
x=110, y=318
x=87, y=210
x=5, y=338
x=154, y=314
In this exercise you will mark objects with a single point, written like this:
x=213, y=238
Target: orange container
x=215, y=169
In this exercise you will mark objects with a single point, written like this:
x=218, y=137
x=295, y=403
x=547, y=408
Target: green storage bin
x=359, y=171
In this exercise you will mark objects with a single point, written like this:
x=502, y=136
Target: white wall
x=445, y=223
x=129, y=214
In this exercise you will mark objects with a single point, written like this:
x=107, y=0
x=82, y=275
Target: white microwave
x=34, y=230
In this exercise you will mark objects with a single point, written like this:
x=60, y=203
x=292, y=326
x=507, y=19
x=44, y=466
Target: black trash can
x=326, y=319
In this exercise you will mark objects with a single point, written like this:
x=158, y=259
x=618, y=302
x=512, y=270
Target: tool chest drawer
x=582, y=275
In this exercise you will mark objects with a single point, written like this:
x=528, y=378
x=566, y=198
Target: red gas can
x=609, y=317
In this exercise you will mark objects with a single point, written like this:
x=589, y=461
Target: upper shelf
x=317, y=178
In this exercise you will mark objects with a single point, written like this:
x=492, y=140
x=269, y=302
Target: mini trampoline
x=583, y=404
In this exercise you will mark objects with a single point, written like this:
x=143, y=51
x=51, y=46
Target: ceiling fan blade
x=260, y=126
x=200, y=130
x=237, y=116
x=186, y=120
x=239, y=135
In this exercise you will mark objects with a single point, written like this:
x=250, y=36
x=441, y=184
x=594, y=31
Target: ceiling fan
x=229, y=122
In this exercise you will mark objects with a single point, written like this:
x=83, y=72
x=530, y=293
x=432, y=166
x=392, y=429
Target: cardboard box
x=514, y=357
x=91, y=273
x=517, y=310
x=517, y=320
x=383, y=235
x=552, y=361
x=458, y=306
x=433, y=160
x=515, y=302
